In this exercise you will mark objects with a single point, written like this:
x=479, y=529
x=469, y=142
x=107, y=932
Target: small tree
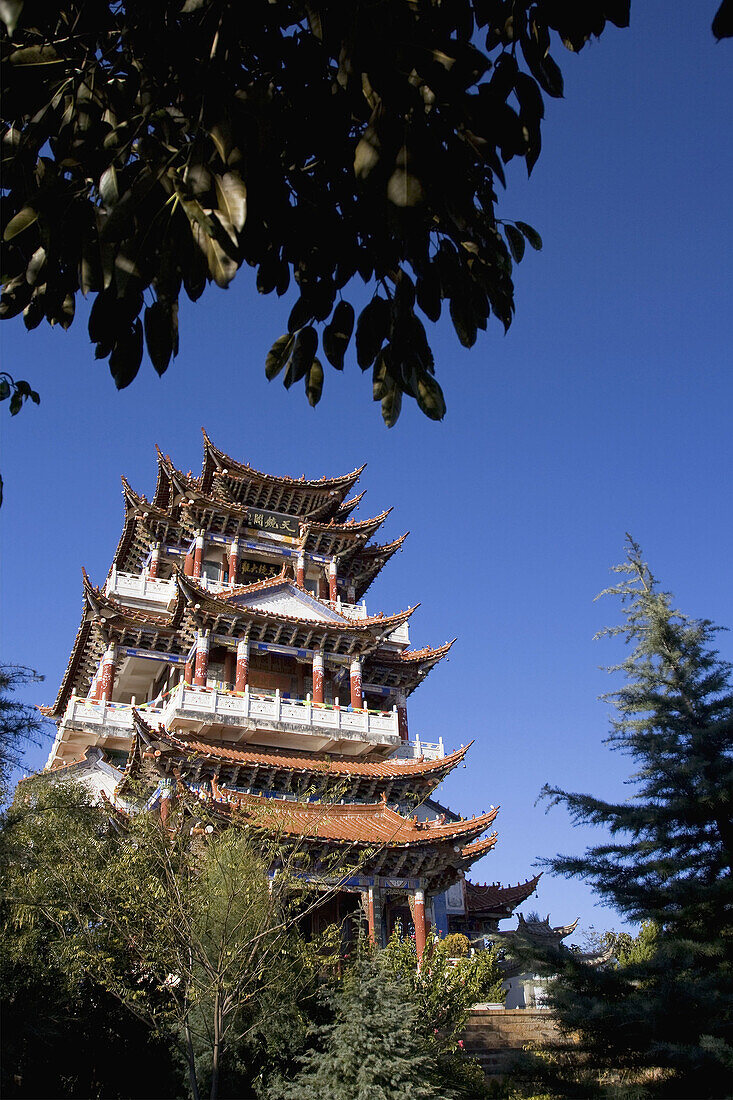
x=63, y=1033
x=445, y=986
x=375, y=1049
x=20, y=725
x=179, y=924
x=666, y=1015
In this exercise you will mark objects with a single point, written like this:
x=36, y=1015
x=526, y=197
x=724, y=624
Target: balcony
x=262, y=719
x=414, y=750
x=106, y=719
x=140, y=590
x=277, y=721
x=351, y=610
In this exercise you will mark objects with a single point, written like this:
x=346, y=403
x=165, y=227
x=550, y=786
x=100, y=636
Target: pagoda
x=230, y=649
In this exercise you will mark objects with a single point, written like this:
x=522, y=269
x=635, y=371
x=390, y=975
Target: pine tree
x=373, y=1050
x=665, y=1018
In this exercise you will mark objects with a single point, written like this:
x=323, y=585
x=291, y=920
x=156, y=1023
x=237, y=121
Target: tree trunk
x=216, y=1048
x=191, y=1061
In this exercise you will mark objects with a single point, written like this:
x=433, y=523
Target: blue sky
x=606, y=409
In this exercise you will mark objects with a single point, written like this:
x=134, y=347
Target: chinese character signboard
x=250, y=571
x=273, y=522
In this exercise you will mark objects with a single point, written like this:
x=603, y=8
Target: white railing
x=400, y=635
x=112, y=718
x=413, y=750
x=210, y=585
x=255, y=710
x=139, y=586
x=351, y=610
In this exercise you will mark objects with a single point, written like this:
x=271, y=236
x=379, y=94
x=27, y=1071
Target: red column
x=154, y=560
x=229, y=669
x=332, y=580
x=198, y=556
x=322, y=588
x=108, y=675
x=188, y=671
x=401, y=703
x=166, y=800
x=233, y=561
x=371, y=916
x=188, y=563
x=420, y=931
x=356, y=682
x=300, y=570
x=242, y=676
x=318, y=676
x=203, y=641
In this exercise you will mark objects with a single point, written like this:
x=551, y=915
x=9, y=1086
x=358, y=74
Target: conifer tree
x=373, y=1050
x=664, y=1020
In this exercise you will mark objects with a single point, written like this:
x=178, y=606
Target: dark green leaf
x=16, y=403
x=4, y=389
x=278, y=355
x=304, y=350
x=10, y=11
x=723, y=21
x=108, y=189
x=127, y=354
x=18, y=224
x=515, y=240
x=430, y=397
x=404, y=189
x=15, y=296
x=102, y=317
x=34, y=312
x=371, y=331
x=159, y=335
x=35, y=55
x=380, y=380
x=314, y=383
x=231, y=195
x=463, y=320
x=267, y=273
x=301, y=314
x=391, y=406
x=427, y=292
x=68, y=308
x=533, y=237
x=337, y=334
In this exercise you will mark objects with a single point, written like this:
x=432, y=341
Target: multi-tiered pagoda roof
x=227, y=658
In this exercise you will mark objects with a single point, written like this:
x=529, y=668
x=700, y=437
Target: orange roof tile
x=357, y=823
x=304, y=761
x=239, y=469
x=495, y=896
x=223, y=602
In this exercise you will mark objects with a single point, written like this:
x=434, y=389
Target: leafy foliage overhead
x=155, y=146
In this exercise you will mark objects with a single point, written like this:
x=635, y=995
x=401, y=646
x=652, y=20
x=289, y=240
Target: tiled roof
x=345, y=481
x=154, y=619
x=358, y=823
x=222, y=603
x=479, y=847
x=377, y=551
x=303, y=761
x=427, y=653
x=486, y=897
x=350, y=526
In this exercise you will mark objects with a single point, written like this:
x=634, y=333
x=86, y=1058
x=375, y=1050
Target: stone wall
x=494, y=1037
